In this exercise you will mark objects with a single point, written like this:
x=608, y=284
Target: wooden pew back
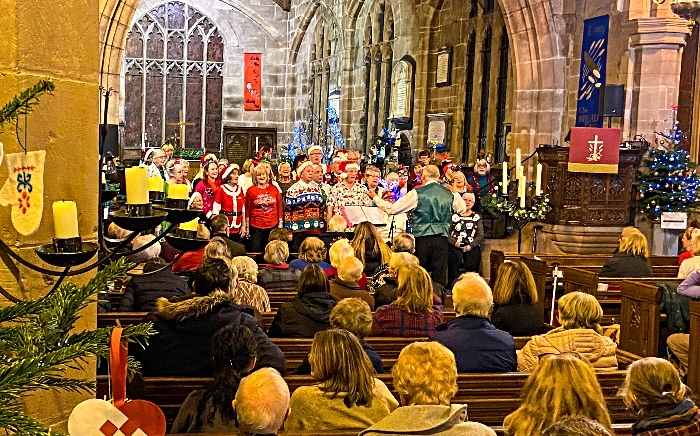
x=694, y=347
x=640, y=317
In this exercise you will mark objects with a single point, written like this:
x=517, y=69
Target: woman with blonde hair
x=691, y=264
x=339, y=251
x=311, y=252
x=515, y=301
x=632, y=258
x=247, y=292
x=562, y=385
x=654, y=391
x=416, y=311
x=263, y=209
x=347, y=396
x=580, y=332
x=685, y=241
x=245, y=180
x=369, y=247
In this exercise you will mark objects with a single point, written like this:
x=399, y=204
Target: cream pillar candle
x=523, y=190
x=178, y=192
x=65, y=220
x=155, y=183
x=190, y=225
x=136, y=185
x=505, y=178
x=538, y=180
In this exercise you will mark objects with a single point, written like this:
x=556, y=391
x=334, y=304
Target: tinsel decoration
x=299, y=144
x=334, y=131
x=384, y=147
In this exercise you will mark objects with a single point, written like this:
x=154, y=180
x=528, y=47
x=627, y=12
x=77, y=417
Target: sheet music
x=358, y=214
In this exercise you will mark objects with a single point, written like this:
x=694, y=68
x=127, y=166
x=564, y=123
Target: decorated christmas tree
x=667, y=181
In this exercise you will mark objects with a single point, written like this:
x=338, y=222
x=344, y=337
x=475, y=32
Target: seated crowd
x=359, y=288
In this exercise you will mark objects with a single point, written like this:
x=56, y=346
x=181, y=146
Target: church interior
x=560, y=116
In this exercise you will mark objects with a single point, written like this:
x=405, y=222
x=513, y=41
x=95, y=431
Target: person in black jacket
x=632, y=259
x=219, y=227
x=387, y=284
x=142, y=291
x=517, y=309
x=478, y=346
x=185, y=326
x=308, y=312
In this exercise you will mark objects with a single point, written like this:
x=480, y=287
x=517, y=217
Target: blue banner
x=594, y=52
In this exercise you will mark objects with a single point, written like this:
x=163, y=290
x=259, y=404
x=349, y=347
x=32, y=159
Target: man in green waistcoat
x=432, y=206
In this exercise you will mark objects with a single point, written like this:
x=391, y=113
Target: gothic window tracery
x=323, y=79
x=173, y=64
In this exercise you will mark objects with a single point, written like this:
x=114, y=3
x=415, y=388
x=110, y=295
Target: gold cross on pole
x=181, y=125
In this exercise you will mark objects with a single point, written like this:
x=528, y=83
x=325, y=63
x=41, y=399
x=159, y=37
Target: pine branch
x=24, y=102
x=20, y=310
x=21, y=424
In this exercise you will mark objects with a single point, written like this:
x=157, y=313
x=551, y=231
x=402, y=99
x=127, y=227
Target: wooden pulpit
x=589, y=199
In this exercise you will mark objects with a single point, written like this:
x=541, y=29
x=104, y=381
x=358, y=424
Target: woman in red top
x=686, y=241
x=263, y=209
x=207, y=187
x=229, y=200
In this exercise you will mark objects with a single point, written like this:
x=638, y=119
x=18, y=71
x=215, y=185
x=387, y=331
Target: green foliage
x=187, y=153
x=37, y=346
x=24, y=102
x=537, y=211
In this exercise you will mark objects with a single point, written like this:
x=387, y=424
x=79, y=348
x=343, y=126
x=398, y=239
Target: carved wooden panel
x=181, y=52
x=239, y=142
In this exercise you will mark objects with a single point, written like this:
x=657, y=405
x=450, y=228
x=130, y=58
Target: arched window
x=468, y=94
x=485, y=88
x=502, y=90
x=172, y=73
x=323, y=80
x=379, y=55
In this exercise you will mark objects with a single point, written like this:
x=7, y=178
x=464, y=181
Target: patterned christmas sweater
x=303, y=207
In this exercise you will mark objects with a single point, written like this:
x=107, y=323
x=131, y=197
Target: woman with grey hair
x=466, y=236
x=247, y=292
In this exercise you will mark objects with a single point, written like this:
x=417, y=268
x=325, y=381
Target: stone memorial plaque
x=444, y=66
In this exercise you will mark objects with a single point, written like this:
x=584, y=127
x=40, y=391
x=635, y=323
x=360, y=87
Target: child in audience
x=562, y=385
x=348, y=396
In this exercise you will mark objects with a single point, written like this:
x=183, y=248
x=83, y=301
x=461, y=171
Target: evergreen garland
x=37, y=346
x=24, y=102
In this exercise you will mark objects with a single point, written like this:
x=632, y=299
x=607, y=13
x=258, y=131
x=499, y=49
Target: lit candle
x=190, y=225
x=521, y=190
x=256, y=144
x=136, y=185
x=178, y=192
x=155, y=183
x=505, y=178
x=538, y=181
x=65, y=219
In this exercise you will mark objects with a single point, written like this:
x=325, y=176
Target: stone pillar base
x=582, y=240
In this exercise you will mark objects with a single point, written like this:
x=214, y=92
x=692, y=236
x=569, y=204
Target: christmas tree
x=667, y=181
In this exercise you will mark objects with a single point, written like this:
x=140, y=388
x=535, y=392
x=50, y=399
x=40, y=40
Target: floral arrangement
x=535, y=212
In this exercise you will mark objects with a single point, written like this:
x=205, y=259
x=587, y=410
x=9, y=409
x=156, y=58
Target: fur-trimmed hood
x=191, y=305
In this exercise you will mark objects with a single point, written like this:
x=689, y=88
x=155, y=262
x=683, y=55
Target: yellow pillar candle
x=136, y=185
x=65, y=220
x=178, y=192
x=190, y=225
x=155, y=183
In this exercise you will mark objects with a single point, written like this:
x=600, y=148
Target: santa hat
x=228, y=170
x=352, y=165
x=303, y=166
x=340, y=156
x=148, y=154
x=314, y=147
x=206, y=157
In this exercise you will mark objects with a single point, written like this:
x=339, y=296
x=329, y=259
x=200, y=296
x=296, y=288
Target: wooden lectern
x=589, y=199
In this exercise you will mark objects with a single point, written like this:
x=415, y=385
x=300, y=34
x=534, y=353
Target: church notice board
x=252, y=71
x=594, y=150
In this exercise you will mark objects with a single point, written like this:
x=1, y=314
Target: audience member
x=340, y=250
x=580, y=332
x=515, y=297
x=403, y=243
x=654, y=391
x=679, y=343
x=385, y=286
x=311, y=252
x=685, y=242
x=185, y=327
x=576, y=426
x=369, y=247
x=632, y=259
x=425, y=377
x=157, y=281
x=189, y=262
x=277, y=275
x=308, y=312
x=276, y=235
x=220, y=228
x=234, y=350
x=247, y=293
x=347, y=396
x=345, y=284
x=337, y=226
x=116, y=232
x=562, y=385
x=263, y=209
x=691, y=264
x=416, y=311
x=262, y=403
x=478, y=346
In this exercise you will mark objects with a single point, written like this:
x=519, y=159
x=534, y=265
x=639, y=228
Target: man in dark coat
x=185, y=326
x=142, y=291
x=478, y=346
x=219, y=227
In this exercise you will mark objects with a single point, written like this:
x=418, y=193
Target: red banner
x=594, y=150
x=252, y=71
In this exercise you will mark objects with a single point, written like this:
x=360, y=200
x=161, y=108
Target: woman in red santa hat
x=229, y=200
x=200, y=176
x=207, y=187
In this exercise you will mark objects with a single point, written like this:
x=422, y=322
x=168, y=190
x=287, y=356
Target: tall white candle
x=505, y=178
x=538, y=181
x=522, y=186
x=518, y=157
x=256, y=144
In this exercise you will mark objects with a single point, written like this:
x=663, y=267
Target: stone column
x=656, y=45
x=39, y=39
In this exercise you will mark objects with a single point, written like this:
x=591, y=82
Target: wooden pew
x=578, y=279
x=694, y=354
x=640, y=317
x=490, y=397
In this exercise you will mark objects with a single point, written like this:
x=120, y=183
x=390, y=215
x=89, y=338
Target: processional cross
x=181, y=125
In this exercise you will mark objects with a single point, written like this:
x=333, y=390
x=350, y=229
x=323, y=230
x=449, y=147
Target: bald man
x=478, y=346
x=432, y=206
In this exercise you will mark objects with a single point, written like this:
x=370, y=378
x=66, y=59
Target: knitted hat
x=314, y=147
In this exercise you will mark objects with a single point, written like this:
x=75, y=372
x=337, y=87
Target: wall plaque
x=443, y=75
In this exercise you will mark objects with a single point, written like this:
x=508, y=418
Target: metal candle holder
x=67, y=245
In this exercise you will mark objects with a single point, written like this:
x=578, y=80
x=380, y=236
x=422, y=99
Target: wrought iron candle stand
x=537, y=209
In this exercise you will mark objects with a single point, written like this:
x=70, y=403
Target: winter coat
x=278, y=278
x=185, y=328
x=681, y=420
x=676, y=307
x=340, y=289
x=186, y=420
x=597, y=349
x=142, y=292
x=478, y=346
x=624, y=264
x=428, y=420
x=519, y=319
x=302, y=317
